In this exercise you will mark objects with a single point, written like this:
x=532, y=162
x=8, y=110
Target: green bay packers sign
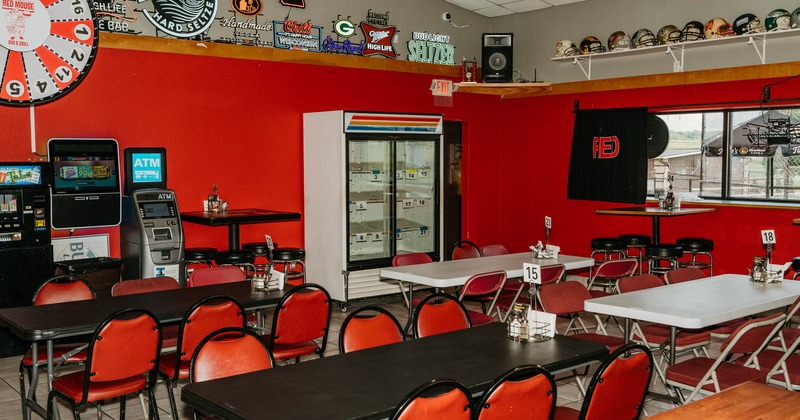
x=48, y=47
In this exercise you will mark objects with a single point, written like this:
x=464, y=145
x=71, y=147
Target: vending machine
x=26, y=255
x=151, y=234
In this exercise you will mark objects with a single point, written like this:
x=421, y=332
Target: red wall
x=233, y=122
x=238, y=123
x=535, y=161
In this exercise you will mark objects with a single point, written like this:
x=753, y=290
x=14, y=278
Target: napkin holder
x=528, y=325
x=764, y=272
x=545, y=252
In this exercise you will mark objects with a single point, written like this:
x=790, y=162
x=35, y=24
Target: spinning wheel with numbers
x=46, y=48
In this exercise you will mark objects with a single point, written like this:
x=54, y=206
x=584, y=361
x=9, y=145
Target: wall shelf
x=504, y=90
x=676, y=50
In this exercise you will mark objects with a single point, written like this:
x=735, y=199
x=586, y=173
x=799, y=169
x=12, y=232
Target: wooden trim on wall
x=216, y=49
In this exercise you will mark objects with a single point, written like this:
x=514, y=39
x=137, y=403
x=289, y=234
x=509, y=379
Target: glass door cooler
x=372, y=191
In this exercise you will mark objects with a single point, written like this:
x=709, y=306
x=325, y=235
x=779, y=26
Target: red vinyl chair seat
x=301, y=318
x=227, y=352
x=368, y=327
x=170, y=336
x=478, y=318
x=292, y=350
x=610, y=341
x=566, y=413
x=72, y=386
x=728, y=374
x=659, y=334
x=440, y=313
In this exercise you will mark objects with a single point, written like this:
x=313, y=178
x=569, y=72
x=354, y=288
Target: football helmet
x=718, y=28
x=643, y=38
x=692, y=31
x=747, y=23
x=795, y=20
x=566, y=48
x=619, y=41
x=591, y=45
x=778, y=20
x=668, y=34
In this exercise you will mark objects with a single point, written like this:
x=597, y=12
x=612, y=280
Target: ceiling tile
x=494, y=11
x=471, y=4
x=520, y=6
x=562, y=2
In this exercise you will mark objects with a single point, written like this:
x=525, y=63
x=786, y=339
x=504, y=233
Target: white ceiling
x=495, y=8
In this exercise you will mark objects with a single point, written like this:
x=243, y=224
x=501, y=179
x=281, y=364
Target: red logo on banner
x=605, y=147
x=379, y=40
x=294, y=3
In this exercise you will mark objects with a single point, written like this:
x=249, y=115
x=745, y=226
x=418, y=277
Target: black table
x=656, y=214
x=50, y=322
x=369, y=383
x=233, y=218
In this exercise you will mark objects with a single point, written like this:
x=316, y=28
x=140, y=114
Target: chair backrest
x=438, y=399
x=791, y=311
x=619, y=386
x=303, y=314
x=216, y=275
x=464, y=249
x=125, y=345
x=553, y=273
x=483, y=284
x=563, y=298
x=439, y=313
x=63, y=288
x=751, y=337
x=680, y=275
x=526, y=391
x=205, y=317
x=491, y=250
x=411, y=259
x=615, y=269
x=367, y=327
x=638, y=282
x=152, y=284
x=227, y=352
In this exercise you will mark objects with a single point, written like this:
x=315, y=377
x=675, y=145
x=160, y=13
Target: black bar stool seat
x=198, y=255
x=636, y=242
x=290, y=259
x=796, y=267
x=663, y=252
x=235, y=257
x=695, y=246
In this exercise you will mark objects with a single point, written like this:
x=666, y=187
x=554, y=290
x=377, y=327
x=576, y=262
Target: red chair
x=56, y=289
x=367, y=327
x=465, y=249
x=483, y=288
x=680, y=275
x=169, y=333
x=618, y=388
x=492, y=250
x=122, y=359
x=779, y=357
x=227, y=352
x=301, y=318
x=566, y=300
x=710, y=376
x=527, y=392
x=516, y=288
x=439, y=313
x=400, y=260
x=606, y=275
x=205, y=317
x=216, y=275
x=638, y=282
x=438, y=399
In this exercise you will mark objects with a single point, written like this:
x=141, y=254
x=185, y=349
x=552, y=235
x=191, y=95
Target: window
x=738, y=155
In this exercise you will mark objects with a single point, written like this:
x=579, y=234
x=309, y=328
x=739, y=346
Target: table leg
x=656, y=230
x=410, y=307
x=673, y=334
x=233, y=237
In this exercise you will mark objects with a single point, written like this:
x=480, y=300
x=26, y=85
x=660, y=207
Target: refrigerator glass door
x=369, y=199
x=416, y=191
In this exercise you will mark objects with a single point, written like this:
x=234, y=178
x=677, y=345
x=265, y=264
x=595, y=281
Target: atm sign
x=146, y=167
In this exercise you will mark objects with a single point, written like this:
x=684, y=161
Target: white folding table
x=457, y=272
x=697, y=303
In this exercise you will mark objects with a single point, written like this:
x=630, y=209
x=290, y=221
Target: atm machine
x=151, y=234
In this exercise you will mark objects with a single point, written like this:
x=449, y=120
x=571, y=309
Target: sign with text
x=532, y=273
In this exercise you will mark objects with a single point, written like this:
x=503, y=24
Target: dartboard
x=46, y=48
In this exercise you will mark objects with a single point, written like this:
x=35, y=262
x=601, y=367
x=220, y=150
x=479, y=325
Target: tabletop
x=47, y=322
x=369, y=383
x=655, y=211
x=238, y=216
x=698, y=303
x=456, y=272
x=751, y=400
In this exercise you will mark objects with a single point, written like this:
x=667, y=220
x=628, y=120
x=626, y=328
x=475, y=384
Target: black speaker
x=496, y=58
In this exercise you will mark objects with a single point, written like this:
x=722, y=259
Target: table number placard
x=532, y=273
x=768, y=237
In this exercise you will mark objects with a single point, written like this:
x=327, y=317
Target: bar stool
x=636, y=242
x=289, y=259
x=199, y=255
x=260, y=250
x=796, y=267
x=606, y=248
x=697, y=246
x=242, y=258
x=662, y=252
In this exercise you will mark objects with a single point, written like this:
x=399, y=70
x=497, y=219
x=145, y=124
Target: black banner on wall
x=609, y=156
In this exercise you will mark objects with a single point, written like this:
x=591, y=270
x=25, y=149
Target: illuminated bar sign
x=431, y=48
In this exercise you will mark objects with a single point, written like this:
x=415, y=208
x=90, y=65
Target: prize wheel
x=46, y=48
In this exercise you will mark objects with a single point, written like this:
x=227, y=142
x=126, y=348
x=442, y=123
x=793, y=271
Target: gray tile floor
x=10, y=407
